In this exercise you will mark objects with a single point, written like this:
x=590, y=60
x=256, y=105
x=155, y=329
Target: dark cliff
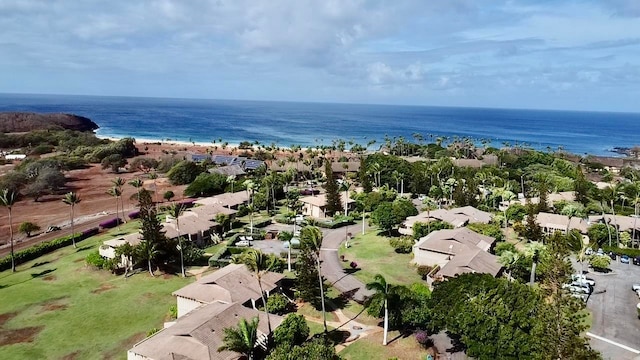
x=23, y=122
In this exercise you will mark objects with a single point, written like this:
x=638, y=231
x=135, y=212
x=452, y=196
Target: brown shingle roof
x=199, y=334
x=471, y=260
x=232, y=283
x=454, y=241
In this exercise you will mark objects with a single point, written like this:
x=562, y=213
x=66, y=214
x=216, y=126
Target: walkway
x=332, y=268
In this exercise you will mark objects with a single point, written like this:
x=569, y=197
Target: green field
x=370, y=347
x=374, y=256
x=56, y=306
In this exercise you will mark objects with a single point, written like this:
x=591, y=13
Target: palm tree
x=175, y=211
x=7, y=199
x=382, y=292
x=116, y=192
x=508, y=259
x=251, y=188
x=118, y=182
x=241, y=339
x=345, y=187
x=148, y=251
x=138, y=184
x=533, y=250
x=311, y=238
x=259, y=265
x=72, y=199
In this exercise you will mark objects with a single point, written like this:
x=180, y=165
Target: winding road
x=332, y=268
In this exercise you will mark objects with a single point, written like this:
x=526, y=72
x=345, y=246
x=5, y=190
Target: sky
x=538, y=54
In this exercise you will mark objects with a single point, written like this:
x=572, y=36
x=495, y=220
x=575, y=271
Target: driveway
x=332, y=268
x=615, y=325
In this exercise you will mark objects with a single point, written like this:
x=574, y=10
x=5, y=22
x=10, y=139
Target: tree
x=72, y=199
x=118, y=183
x=183, y=172
x=206, y=184
x=168, y=195
x=382, y=292
x=292, y=331
x=150, y=229
x=311, y=239
x=599, y=262
x=333, y=202
x=138, y=184
x=307, y=277
x=28, y=228
x=385, y=218
x=116, y=192
x=598, y=233
x=259, y=265
x=316, y=349
x=532, y=230
x=175, y=211
x=241, y=339
x=7, y=199
x=113, y=161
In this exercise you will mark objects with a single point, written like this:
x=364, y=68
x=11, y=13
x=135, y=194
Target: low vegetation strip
x=43, y=248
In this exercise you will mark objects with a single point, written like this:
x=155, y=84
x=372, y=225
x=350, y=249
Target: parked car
x=636, y=260
x=635, y=287
x=576, y=289
x=52, y=229
x=583, y=279
x=624, y=259
x=582, y=297
x=589, y=251
x=600, y=251
x=586, y=287
x=307, y=192
x=613, y=255
x=638, y=293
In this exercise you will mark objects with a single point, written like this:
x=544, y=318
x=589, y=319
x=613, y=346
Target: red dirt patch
x=53, y=307
x=19, y=336
x=72, y=356
x=103, y=288
x=78, y=260
x=167, y=276
x=6, y=317
x=49, y=278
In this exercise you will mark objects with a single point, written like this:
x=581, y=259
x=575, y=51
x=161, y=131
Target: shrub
x=278, y=304
x=111, y=223
x=95, y=259
x=217, y=261
x=600, y=262
x=403, y=245
x=422, y=337
x=173, y=312
x=292, y=331
x=134, y=214
x=424, y=270
x=353, y=265
x=89, y=233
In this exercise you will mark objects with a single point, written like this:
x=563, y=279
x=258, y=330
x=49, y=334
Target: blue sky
x=558, y=54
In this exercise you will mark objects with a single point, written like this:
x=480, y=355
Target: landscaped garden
x=56, y=306
x=373, y=255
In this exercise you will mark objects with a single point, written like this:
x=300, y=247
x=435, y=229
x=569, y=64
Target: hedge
x=110, y=223
x=629, y=252
x=217, y=261
x=38, y=250
x=333, y=225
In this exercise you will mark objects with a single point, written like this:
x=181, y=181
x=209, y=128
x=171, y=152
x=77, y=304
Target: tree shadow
x=42, y=273
x=84, y=248
x=40, y=264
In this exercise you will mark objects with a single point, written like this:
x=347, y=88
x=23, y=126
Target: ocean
x=312, y=124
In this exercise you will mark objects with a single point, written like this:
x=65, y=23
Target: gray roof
x=226, y=199
x=624, y=223
x=454, y=241
x=228, y=170
x=560, y=222
x=198, y=334
x=232, y=283
x=471, y=260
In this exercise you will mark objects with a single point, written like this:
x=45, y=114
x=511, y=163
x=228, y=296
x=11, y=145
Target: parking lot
x=615, y=323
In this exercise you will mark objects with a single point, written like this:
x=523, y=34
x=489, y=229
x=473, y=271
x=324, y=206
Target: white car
x=576, y=289
x=638, y=293
x=583, y=279
x=635, y=287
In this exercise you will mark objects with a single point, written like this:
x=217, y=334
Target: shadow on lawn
x=40, y=264
x=84, y=248
x=42, y=273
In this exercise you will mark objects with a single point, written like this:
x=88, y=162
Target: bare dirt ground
x=91, y=184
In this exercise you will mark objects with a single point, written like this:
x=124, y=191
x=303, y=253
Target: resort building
x=199, y=334
x=108, y=247
x=315, y=206
x=457, y=217
x=233, y=283
x=456, y=251
x=550, y=223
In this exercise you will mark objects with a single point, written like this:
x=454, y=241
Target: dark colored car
x=309, y=192
x=636, y=260
x=613, y=255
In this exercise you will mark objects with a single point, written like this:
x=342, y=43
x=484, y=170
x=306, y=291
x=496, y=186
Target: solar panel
x=253, y=164
x=223, y=159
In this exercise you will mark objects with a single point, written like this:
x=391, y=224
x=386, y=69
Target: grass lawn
x=55, y=306
x=370, y=347
x=309, y=310
x=374, y=256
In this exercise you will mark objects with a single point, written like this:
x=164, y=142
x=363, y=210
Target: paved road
x=332, y=268
x=613, y=307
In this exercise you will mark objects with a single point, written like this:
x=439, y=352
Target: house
x=315, y=206
x=108, y=247
x=456, y=251
x=342, y=167
x=228, y=170
x=623, y=223
x=612, y=164
x=552, y=198
x=550, y=223
x=199, y=334
x=458, y=217
x=233, y=283
x=192, y=227
x=228, y=200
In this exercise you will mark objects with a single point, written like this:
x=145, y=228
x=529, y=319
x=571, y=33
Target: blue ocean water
x=311, y=124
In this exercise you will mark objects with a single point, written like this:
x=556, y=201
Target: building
x=550, y=223
x=457, y=217
x=199, y=334
x=233, y=283
x=108, y=247
x=623, y=223
x=315, y=206
x=192, y=227
x=228, y=200
x=456, y=251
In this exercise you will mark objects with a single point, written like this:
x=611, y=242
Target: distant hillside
x=23, y=122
